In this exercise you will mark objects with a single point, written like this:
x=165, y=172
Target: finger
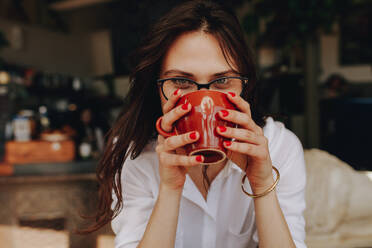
x=173, y=115
x=169, y=105
x=255, y=151
x=170, y=159
x=160, y=145
x=241, y=119
x=241, y=135
x=177, y=141
x=160, y=139
x=240, y=103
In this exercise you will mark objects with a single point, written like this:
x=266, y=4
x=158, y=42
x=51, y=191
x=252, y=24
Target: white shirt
x=227, y=218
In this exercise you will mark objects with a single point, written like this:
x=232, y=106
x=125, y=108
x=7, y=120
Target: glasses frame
x=161, y=81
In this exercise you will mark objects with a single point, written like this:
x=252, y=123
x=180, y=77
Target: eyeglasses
x=224, y=84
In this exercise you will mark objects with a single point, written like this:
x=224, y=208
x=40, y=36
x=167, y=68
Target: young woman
x=155, y=195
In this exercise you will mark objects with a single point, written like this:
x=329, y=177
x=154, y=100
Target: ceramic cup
x=203, y=117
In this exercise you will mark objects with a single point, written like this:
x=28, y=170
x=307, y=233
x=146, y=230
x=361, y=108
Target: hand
x=173, y=166
x=250, y=149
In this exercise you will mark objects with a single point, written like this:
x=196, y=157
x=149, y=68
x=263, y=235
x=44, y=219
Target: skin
x=199, y=55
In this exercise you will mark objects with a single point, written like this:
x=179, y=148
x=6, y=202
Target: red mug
x=203, y=117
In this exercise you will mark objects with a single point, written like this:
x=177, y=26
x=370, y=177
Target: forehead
x=198, y=53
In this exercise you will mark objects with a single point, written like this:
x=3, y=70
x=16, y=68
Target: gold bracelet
x=266, y=191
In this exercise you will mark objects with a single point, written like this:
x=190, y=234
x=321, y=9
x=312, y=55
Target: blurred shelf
x=75, y=170
x=47, y=178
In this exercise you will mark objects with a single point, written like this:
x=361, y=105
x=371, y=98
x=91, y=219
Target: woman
x=163, y=198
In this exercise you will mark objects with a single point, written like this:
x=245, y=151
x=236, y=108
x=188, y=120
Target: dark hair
x=135, y=126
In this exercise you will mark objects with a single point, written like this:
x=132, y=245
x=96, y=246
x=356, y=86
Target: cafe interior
x=64, y=77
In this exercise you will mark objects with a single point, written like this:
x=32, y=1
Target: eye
x=221, y=81
x=181, y=83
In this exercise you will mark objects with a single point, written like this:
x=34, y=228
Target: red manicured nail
x=222, y=129
x=176, y=92
x=193, y=135
x=224, y=113
x=199, y=158
x=232, y=94
x=185, y=106
x=227, y=143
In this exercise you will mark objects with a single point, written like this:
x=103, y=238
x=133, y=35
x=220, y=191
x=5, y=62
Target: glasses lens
x=225, y=84
x=171, y=85
x=228, y=85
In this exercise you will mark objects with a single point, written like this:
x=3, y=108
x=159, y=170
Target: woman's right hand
x=172, y=166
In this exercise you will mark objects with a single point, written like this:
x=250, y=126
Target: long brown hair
x=135, y=126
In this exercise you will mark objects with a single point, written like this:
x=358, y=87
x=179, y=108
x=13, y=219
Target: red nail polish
x=193, y=135
x=222, y=129
x=199, y=158
x=227, y=143
x=224, y=113
x=232, y=94
x=185, y=106
x=176, y=92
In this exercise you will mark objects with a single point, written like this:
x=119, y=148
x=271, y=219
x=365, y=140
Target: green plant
x=298, y=23
x=291, y=22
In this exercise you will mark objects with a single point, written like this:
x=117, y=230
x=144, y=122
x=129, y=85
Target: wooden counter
x=42, y=193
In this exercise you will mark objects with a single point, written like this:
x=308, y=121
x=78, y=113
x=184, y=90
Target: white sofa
x=339, y=203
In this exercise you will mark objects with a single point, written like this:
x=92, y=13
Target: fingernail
x=185, y=106
x=222, y=129
x=176, y=92
x=193, y=135
x=199, y=158
x=224, y=113
x=232, y=94
x=227, y=143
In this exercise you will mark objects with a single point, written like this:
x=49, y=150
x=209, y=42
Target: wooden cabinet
x=38, y=151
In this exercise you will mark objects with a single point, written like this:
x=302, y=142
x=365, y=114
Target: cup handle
x=161, y=131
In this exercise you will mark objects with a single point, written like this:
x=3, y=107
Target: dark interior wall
x=47, y=50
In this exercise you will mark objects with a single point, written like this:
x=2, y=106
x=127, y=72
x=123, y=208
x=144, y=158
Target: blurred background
x=64, y=68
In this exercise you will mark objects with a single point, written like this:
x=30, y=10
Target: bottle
x=85, y=149
x=44, y=119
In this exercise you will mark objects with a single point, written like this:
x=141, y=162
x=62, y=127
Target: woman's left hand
x=250, y=149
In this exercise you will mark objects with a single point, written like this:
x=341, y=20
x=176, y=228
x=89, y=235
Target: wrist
x=262, y=186
x=170, y=190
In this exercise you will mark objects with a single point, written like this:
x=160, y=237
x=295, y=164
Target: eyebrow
x=222, y=73
x=178, y=72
